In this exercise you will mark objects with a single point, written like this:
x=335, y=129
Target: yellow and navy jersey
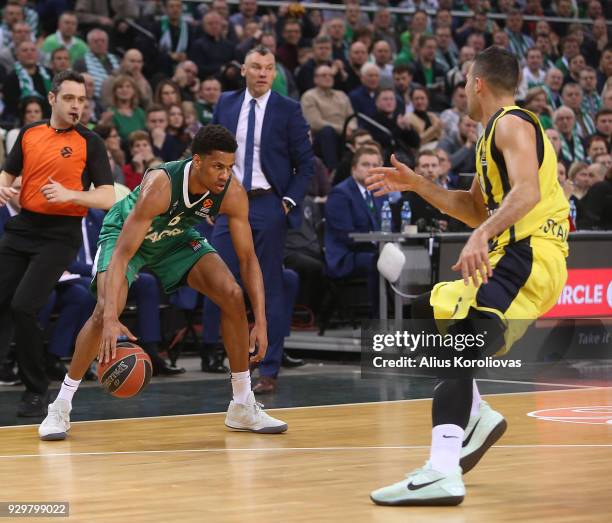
x=549, y=218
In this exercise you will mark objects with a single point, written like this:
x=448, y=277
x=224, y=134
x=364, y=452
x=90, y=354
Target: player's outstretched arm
x=467, y=206
x=154, y=199
x=516, y=140
x=236, y=206
x=6, y=191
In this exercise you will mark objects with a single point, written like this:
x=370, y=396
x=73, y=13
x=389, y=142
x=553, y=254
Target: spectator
x=167, y=93
x=11, y=14
x=326, y=110
x=409, y=39
x=572, y=98
x=576, y=64
x=363, y=99
x=450, y=117
x=572, y=149
x=96, y=107
x=403, y=84
x=535, y=101
x=176, y=126
x=131, y=65
x=447, y=179
x=212, y=50
x=579, y=175
x=461, y=147
x=186, y=77
x=605, y=68
x=358, y=56
x=384, y=28
x=383, y=58
x=20, y=32
x=98, y=62
x=335, y=30
x=247, y=12
x=112, y=142
x=322, y=54
x=543, y=43
x=603, y=125
x=28, y=79
x=424, y=215
x=141, y=151
x=208, y=96
x=605, y=160
x=429, y=73
x=533, y=74
x=591, y=101
x=501, y=39
x=477, y=42
x=30, y=110
x=596, y=146
x=287, y=53
x=552, y=85
x=127, y=116
x=166, y=146
x=519, y=42
x=173, y=36
x=458, y=74
x=447, y=54
x=60, y=60
x=596, y=206
x=394, y=132
x=555, y=140
x=350, y=207
x=65, y=36
x=192, y=123
x=359, y=138
x=570, y=47
x=424, y=122
x=284, y=83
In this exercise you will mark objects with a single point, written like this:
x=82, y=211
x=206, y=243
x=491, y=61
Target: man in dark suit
x=352, y=208
x=274, y=163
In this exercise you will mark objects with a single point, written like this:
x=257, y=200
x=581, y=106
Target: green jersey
x=172, y=227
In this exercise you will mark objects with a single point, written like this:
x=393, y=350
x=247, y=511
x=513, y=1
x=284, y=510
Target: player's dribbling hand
x=474, y=259
x=112, y=329
x=258, y=339
x=383, y=180
x=6, y=193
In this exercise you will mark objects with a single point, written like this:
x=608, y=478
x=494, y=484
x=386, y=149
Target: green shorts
x=171, y=266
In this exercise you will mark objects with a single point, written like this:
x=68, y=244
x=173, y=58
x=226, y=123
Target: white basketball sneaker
x=423, y=487
x=482, y=431
x=57, y=423
x=251, y=417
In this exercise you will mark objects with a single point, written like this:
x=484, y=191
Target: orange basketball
x=128, y=373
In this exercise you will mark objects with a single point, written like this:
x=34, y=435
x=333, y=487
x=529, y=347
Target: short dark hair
x=259, y=49
x=103, y=130
x=357, y=133
x=66, y=76
x=403, y=68
x=425, y=152
x=213, y=138
x=602, y=112
x=156, y=108
x=499, y=67
x=58, y=50
x=138, y=136
x=24, y=102
x=362, y=151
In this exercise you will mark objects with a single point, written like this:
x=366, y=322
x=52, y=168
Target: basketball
x=128, y=373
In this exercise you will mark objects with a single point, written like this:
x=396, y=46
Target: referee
x=58, y=160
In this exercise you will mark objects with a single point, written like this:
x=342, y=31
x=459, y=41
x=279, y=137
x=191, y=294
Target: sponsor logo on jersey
x=208, y=203
x=66, y=152
x=155, y=236
x=195, y=245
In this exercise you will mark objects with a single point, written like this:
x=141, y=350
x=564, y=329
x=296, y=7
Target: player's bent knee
x=233, y=298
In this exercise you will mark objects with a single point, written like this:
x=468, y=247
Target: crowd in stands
x=371, y=82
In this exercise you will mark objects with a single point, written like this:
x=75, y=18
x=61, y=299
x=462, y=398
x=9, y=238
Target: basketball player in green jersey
x=153, y=227
x=513, y=267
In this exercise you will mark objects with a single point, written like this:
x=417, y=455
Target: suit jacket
x=346, y=211
x=93, y=223
x=286, y=154
x=362, y=102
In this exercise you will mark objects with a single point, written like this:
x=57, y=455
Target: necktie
x=370, y=202
x=250, y=144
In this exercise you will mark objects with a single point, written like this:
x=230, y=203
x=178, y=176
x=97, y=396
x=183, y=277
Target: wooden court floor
x=191, y=468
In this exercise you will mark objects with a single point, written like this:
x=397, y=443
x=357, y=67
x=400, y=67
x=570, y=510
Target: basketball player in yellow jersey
x=512, y=267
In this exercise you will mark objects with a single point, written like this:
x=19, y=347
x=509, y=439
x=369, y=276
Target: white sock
x=446, y=443
x=69, y=387
x=475, y=400
x=241, y=386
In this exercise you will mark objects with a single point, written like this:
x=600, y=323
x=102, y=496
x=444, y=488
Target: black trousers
x=30, y=266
